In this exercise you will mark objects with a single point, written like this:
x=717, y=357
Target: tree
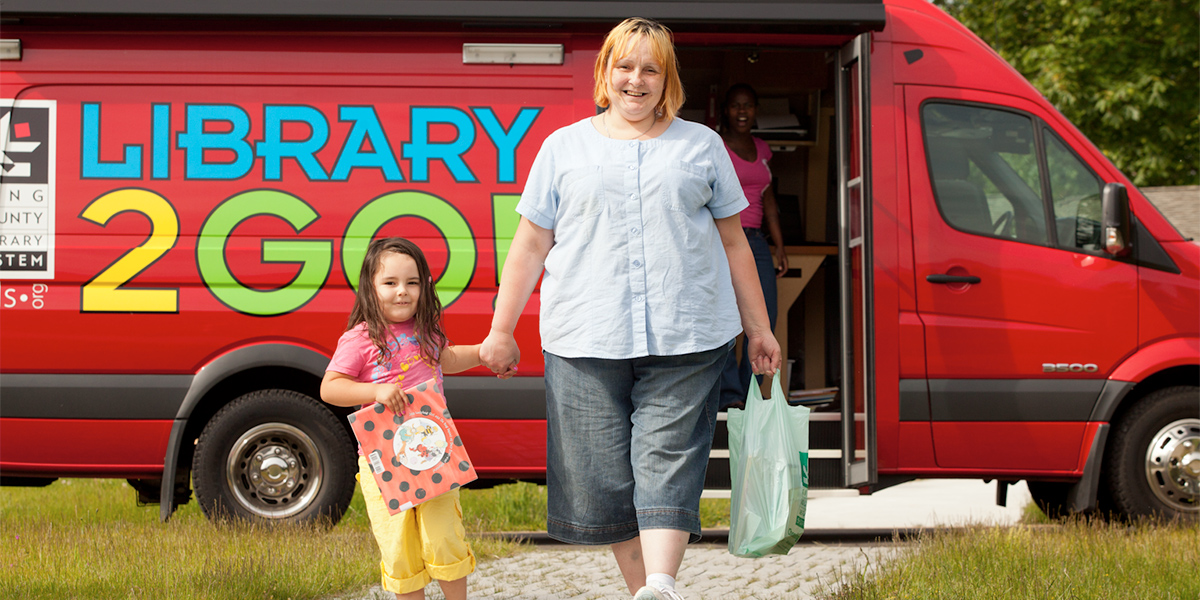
x=1126, y=72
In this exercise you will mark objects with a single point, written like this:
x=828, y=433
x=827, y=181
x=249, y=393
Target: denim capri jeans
x=628, y=443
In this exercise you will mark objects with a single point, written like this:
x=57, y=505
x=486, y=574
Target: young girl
x=394, y=341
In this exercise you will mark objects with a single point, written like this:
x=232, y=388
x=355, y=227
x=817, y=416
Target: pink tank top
x=754, y=177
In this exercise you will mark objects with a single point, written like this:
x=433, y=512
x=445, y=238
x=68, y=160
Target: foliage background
x=1125, y=72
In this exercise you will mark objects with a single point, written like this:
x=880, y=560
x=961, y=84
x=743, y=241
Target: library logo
x=27, y=133
x=24, y=144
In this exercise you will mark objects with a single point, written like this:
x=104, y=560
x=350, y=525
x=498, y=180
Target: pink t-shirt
x=755, y=177
x=357, y=356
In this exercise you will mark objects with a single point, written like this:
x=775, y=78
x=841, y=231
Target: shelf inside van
x=813, y=397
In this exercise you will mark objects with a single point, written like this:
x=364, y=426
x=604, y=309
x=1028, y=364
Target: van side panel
x=227, y=201
x=1167, y=301
x=80, y=447
x=233, y=205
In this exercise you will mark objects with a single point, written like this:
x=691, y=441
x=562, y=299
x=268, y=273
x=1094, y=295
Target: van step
x=822, y=473
x=825, y=453
x=812, y=493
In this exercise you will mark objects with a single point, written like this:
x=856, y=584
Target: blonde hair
x=662, y=46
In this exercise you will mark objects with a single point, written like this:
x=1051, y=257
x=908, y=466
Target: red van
x=187, y=192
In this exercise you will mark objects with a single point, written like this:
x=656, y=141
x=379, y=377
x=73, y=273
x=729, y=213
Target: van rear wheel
x=274, y=455
x=1155, y=456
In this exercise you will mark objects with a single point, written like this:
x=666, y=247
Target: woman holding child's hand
x=633, y=216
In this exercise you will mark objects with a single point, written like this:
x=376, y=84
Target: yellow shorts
x=421, y=544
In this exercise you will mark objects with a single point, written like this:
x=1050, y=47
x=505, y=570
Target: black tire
x=1051, y=497
x=275, y=456
x=1154, y=456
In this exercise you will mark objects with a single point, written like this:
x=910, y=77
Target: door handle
x=952, y=279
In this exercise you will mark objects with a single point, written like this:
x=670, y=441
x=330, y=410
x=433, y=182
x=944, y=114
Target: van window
x=984, y=169
x=1076, y=196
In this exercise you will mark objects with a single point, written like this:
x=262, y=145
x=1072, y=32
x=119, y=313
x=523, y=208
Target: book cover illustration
x=415, y=456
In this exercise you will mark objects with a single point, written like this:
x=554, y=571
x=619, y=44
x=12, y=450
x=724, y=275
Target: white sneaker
x=657, y=593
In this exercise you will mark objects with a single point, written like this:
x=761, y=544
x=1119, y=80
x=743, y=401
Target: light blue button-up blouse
x=637, y=267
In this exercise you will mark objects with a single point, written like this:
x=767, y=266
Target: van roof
x=793, y=16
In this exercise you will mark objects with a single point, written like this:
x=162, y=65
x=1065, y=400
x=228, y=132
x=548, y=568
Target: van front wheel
x=274, y=455
x=1155, y=456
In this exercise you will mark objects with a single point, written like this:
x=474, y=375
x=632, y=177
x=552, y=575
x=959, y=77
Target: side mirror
x=1116, y=226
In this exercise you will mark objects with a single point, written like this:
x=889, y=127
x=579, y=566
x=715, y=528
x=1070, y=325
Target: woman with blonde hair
x=632, y=214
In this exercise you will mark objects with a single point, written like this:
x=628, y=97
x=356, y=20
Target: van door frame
x=854, y=243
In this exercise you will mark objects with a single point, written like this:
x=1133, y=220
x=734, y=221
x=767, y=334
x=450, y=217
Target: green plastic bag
x=768, y=463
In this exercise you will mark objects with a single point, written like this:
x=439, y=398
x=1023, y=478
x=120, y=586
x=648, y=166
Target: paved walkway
x=553, y=572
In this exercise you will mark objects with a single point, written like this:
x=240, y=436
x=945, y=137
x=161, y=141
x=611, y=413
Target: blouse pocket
x=581, y=193
x=687, y=188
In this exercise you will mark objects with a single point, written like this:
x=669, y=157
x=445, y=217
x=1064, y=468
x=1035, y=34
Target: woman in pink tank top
x=750, y=155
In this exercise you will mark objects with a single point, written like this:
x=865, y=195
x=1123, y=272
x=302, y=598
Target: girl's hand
x=391, y=396
x=499, y=352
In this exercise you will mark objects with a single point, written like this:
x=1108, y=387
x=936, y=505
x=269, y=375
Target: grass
x=522, y=507
x=87, y=538
x=1079, y=559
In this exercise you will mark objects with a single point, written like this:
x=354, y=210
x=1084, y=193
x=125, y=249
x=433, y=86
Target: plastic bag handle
x=765, y=388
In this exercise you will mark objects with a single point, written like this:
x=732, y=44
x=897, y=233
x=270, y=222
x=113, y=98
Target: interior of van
x=797, y=118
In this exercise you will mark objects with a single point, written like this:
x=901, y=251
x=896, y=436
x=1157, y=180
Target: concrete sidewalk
x=921, y=503
x=560, y=572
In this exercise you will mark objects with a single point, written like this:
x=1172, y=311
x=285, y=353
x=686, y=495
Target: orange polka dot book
x=415, y=456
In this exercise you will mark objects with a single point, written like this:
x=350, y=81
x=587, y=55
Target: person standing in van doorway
x=750, y=155
x=633, y=216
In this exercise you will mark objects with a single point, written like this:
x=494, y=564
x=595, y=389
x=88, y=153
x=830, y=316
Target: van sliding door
x=854, y=257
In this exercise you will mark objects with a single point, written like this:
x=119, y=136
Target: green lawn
x=87, y=538
x=1076, y=560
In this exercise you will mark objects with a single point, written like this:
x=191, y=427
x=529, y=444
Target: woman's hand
x=522, y=268
x=781, y=261
x=500, y=353
x=764, y=353
x=761, y=343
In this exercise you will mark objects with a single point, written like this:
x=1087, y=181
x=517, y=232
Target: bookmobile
x=188, y=190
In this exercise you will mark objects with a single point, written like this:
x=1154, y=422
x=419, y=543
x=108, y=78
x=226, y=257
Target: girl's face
x=635, y=83
x=398, y=287
x=741, y=112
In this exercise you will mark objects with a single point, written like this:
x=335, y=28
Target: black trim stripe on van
x=999, y=400
x=87, y=396
x=59, y=396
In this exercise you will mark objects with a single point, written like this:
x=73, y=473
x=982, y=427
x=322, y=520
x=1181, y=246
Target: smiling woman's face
x=741, y=112
x=635, y=83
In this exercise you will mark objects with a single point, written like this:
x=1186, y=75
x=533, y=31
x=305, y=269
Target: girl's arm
x=761, y=343
x=526, y=258
x=456, y=359
x=771, y=216
x=340, y=389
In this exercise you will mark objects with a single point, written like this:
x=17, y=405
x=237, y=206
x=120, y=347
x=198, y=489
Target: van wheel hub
x=1173, y=464
x=274, y=469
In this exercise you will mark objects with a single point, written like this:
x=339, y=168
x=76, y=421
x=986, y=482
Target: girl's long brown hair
x=427, y=317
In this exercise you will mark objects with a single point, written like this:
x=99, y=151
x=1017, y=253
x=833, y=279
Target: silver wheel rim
x=274, y=470
x=1173, y=465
